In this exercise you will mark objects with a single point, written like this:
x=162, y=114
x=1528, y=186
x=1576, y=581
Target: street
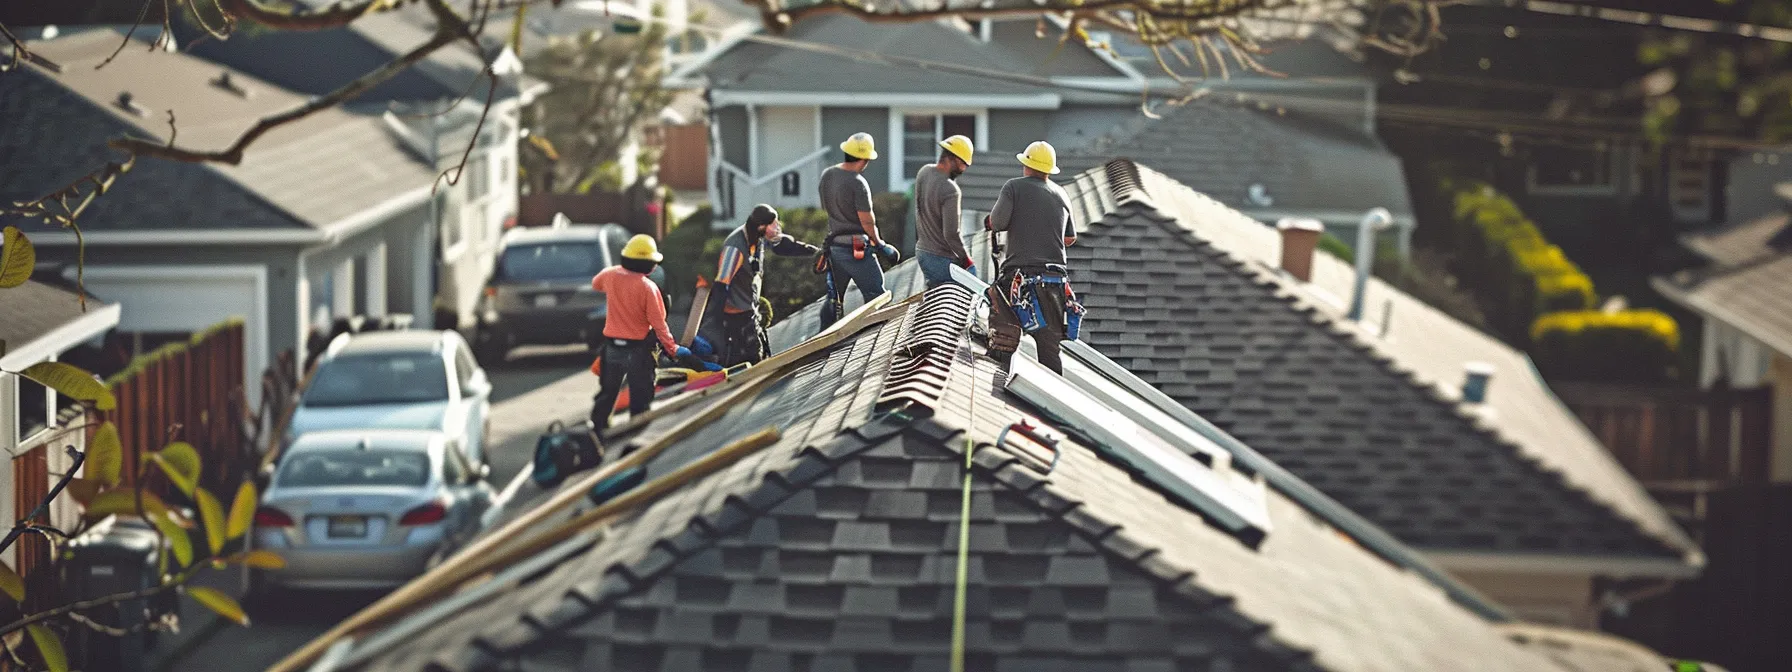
x=534, y=387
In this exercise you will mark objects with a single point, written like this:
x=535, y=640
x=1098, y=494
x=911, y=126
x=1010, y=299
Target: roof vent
x=1474, y=386
x=226, y=83
x=921, y=368
x=125, y=103
x=1123, y=179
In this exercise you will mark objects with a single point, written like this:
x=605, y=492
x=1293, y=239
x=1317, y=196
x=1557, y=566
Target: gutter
x=1617, y=567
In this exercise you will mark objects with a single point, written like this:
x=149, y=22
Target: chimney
x=1373, y=221
x=1300, y=236
x=1474, y=386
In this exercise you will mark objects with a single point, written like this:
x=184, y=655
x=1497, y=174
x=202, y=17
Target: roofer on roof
x=937, y=198
x=1032, y=280
x=637, y=318
x=853, y=244
x=738, y=274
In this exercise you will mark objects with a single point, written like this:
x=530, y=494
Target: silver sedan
x=359, y=509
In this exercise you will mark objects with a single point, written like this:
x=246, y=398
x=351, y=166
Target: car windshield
x=552, y=261
x=353, y=467
x=379, y=378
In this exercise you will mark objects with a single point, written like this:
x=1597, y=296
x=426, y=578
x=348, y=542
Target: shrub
x=790, y=282
x=895, y=215
x=1507, y=261
x=684, y=248
x=1630, y=346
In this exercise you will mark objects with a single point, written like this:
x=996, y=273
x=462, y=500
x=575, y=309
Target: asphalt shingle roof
x=834, y=549
x=311, y=173
x=1180, y=292
x=1748, y=282
x=35, y=309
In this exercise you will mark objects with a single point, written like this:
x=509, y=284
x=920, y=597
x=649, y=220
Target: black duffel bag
x=563, y=451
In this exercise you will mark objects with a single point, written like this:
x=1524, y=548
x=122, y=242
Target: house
x=779, y=106
x=439, y=102
x=326, y=216
x=39, y=321
x=1501, y=485
x=834, y=548
x=1743, y=295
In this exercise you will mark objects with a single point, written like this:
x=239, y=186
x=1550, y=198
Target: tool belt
x=1023, y=298
x=860, y=243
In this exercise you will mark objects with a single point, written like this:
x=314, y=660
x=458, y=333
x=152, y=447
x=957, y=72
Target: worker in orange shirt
x=637, y=318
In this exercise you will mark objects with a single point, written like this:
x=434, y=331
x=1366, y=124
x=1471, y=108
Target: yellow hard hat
x=959, y=146
x=642, y=248
x=1041, y=157
x=860, y=146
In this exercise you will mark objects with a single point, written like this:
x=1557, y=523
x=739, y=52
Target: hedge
x=1503, y=256
x=1630, y=346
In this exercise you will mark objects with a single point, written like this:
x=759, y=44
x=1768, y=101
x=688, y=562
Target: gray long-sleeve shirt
x=937, y=214
x=1036, y=214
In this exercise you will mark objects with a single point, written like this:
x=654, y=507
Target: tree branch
x=450, y=27
x=72, y=607
x=24, y=524
x=335, y=16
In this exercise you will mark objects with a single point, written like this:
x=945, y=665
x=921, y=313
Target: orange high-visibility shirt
x=635, y=306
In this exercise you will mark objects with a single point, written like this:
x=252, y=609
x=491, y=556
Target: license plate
x=347, y=526
x=544, y=301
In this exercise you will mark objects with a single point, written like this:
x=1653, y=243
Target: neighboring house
x=39, y=321
x=470, y=215
x=780, y=106
x=835, y=547
x=329, y=212
x=1743, y=293
x=1508, y=491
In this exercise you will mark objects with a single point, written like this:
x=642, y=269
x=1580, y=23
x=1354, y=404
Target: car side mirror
x=476, y=385
x=484, y=472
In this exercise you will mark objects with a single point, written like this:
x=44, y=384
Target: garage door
x=191, y=298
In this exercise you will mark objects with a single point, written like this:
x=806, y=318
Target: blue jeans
x=866, y=272
x=935, y=268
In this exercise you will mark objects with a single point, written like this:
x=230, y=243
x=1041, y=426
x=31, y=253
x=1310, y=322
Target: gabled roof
x=1748, y=282
x=355, y=50
x=841, y=55
x=1184, y=292
x=1306, y=168
x=834, y=549
x=312, y=174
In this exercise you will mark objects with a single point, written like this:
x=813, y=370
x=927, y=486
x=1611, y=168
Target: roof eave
x=1692, y=300
x=95, y=322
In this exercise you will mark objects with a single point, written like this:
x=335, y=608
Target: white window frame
x=899, y=181
x=1614, y=155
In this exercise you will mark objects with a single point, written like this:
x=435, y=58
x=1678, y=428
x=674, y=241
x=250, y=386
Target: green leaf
x=221, y=603
x=211, y=513
x=72, y=382
x=83, y=490
x=181, y=462
x=49, y=647
x=17, y=258
x=123, y=502
x=242, y=511
x=178, y=541
x=11, y=584
x=105, y=457
x=261, y=560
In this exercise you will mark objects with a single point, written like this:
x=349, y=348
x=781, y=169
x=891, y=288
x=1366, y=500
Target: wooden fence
x=190, y=392
x=1671, y=437
x=684, y=157
x=1738, y=611
x=31, y=483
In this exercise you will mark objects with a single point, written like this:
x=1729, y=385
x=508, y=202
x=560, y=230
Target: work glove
x=681, y=352
x=964, y=262
x=970, y=268
x=889, y=251
x=986, y=225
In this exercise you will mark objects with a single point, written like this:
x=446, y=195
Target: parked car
x=399, y=380
x=540, y=291
x=364, y=509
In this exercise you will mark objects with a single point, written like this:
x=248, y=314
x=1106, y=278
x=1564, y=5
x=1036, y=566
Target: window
x=479, y=177
x=1572, y=170
x=452, y=223
x=379, y=378
x=551, y=261
x=921, y=136
x=354, y=468
x=34, y=413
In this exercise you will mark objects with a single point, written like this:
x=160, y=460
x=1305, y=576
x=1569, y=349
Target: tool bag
x=561, y=452
x=1023, y=299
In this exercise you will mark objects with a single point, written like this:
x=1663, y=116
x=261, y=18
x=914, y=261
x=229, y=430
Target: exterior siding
x=837, y=123
x=1012, y=130
x=1749, y=194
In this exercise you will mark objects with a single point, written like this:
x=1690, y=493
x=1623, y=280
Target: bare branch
x=142, y=14
x=335, y=16
x=19, y=53
x=449, y=28
x=491, y=93
x=72, y=607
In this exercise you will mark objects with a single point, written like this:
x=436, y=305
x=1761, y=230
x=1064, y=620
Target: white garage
x=191, y=298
